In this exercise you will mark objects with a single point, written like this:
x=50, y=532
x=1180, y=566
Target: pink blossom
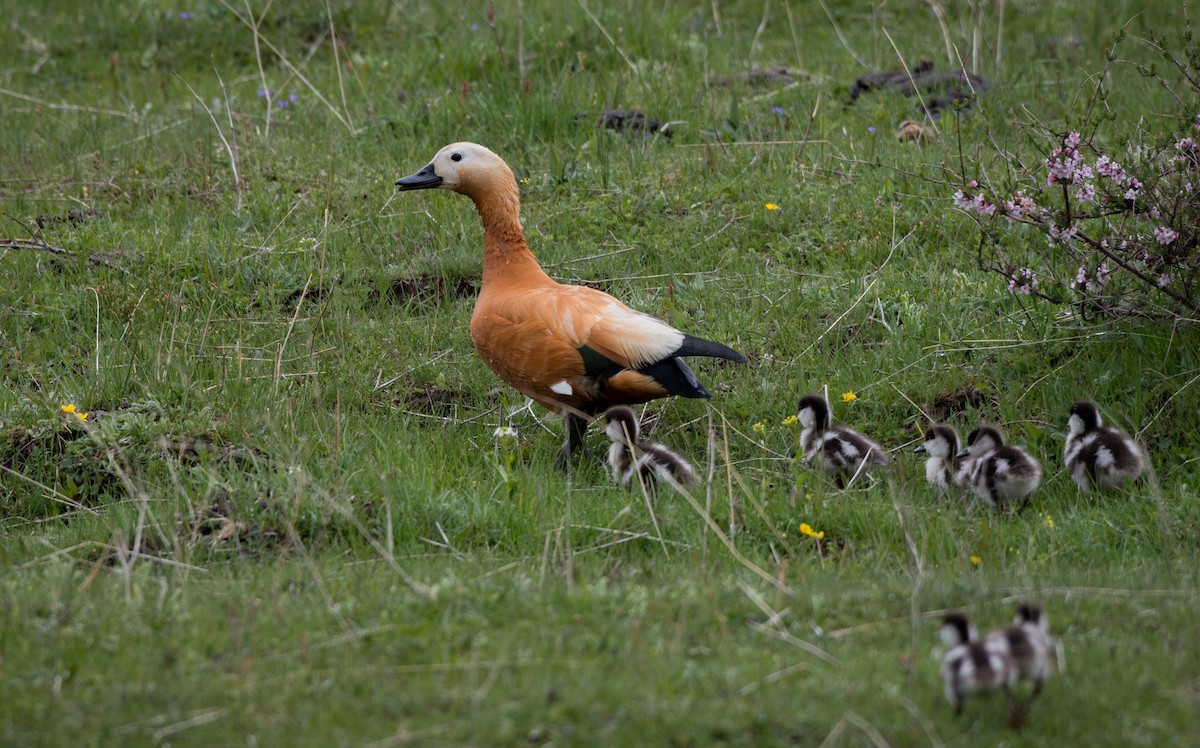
x=1165, y=235
x=1081, y=276
x=1106, y=167
x=962, y=201
x=983, y=207
x=1062, y=236
x=1165, y=280
x=1072, y=141
x=1086, y=193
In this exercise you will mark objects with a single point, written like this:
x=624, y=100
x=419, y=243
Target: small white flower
x=505, y=432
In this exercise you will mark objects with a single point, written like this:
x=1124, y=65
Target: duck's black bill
x=963, y=454
x=920, y=448
x=425, y=179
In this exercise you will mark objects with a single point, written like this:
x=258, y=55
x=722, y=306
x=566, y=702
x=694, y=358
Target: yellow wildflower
x=849, y=397
x=1049, y=522
x=71, y=410
x=772, y=206
x=976, y=560
x=524, y=180
x=806, y=529
x=790, y=420
x=759, y=427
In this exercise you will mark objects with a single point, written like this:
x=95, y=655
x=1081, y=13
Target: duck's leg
x=576, y=428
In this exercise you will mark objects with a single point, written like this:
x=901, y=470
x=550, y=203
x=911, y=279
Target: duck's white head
x=466, y=168
x=940, y=441
x=622, y=426
x=956, y=630
x=1032, y=613
x=812, y=411
x=1085, y=416
x=983, y=439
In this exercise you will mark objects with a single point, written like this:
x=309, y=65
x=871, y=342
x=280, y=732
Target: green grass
x=288, y=424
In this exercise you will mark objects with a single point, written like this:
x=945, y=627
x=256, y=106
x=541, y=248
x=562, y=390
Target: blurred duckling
x=841, y=451
x=1097, y=455
x=1001, y=474
x=942, y=446
x=970, y=667
x=1027, y=642
x=629, y=458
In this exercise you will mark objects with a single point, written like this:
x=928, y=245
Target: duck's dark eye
x=456, y=157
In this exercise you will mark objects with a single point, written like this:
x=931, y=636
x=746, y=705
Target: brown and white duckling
x=1000, y=474
x=1027, y=642
x=1097, y=455
x=942, y=446
x=970, y=667
x=839, y=450
x=629, y=458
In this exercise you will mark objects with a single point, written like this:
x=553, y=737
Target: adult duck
x=572, y=349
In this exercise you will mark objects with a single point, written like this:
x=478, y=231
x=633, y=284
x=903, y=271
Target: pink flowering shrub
x=1119, y=225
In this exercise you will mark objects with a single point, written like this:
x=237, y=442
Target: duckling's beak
x=920, y=448
x=424, y=179
x=963, y=453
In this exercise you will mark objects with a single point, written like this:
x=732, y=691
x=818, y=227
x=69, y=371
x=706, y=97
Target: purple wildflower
x=777, y=110
x=185, y=16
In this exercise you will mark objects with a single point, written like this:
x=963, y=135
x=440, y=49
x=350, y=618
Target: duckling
x=840, y=450
x=572, y=349
x=942, y=445
x=970, y=667
x=1027, y=642
x=629, y=458
x=1000, y=474
x=1099, y=455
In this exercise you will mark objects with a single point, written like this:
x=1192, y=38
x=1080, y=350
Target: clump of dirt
x=189, y=449
x=951, y=402
x=757, y=76
x=218, y=526
x=435, y=401
x=628, y=121
x=307, y=294
x=420, y=289
x=940, y=89
x=74, y=216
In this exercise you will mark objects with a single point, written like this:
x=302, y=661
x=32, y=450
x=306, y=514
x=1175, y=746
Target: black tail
x=676, y=377
x=701, y=347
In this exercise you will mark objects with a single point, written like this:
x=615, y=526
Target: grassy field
x=286, y=519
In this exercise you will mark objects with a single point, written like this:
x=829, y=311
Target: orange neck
x=505, y=252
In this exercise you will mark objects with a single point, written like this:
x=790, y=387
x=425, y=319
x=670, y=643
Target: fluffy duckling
x=970, y=667
x=572, y=349
x=841, y=451
x=1027, y=642
x=1099, y=455
x=1000, y=474
x=629, y=458
x=942, y=445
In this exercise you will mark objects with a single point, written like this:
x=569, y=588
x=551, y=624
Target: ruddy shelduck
x=1002, y=475
x=971, y=667
x=572, y=349
x=631, y=460
x=1027, y=642
x=841, y=451
x=942, y=445
x=1097, y=455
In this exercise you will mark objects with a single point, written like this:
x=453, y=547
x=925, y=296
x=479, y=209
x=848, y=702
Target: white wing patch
x=562, y=387
x=642, y=338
